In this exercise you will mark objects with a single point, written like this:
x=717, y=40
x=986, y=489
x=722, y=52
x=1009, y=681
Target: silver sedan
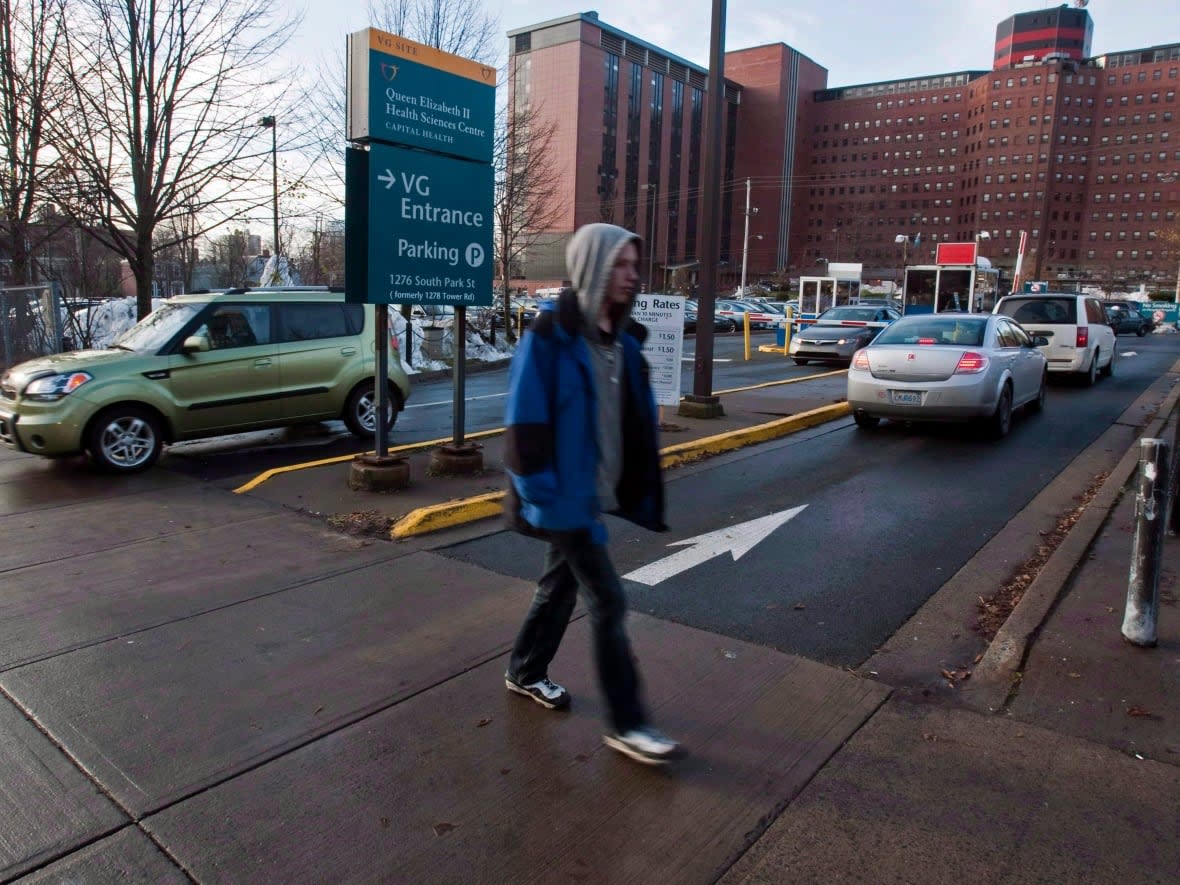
x=948, y=367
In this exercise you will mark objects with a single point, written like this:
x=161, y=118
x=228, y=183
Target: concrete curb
x=464, y=510
x=995, y=675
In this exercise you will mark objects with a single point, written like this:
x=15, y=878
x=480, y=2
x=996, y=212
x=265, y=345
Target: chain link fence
x=30, y=323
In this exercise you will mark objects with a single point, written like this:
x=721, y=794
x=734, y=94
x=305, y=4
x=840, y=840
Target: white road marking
x=737, y=540
x=447, y=402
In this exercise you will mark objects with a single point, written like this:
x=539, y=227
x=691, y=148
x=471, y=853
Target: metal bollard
x=1173, y=476
x=1151, y=502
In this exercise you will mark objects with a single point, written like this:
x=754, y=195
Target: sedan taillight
x=971, y=363
x=860, y=360
x=1083, y=336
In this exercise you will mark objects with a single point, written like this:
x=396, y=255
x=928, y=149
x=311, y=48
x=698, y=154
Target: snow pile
x=107, y=321
x=110, y=319
x=276, y=272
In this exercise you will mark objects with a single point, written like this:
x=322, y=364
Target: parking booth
x=959, y=280
x=840, y=286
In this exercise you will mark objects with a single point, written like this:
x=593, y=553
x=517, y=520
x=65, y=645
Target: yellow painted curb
x=340, y=459
x=464, y=510
x=736, y=439
x=448, y=514
x=480, y=434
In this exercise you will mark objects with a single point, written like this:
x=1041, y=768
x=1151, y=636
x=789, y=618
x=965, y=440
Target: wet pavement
x=210, y=686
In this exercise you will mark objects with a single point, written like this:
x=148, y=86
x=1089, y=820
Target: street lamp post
x=746, y=240
x=836, y=231
x=269, y=123
x=904, y=241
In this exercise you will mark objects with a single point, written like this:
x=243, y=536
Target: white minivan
x=1081, y=340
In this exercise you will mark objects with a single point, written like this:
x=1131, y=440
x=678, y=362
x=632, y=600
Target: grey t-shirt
x=607, y=359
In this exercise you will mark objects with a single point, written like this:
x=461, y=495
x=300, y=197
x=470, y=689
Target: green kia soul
x=203, y=365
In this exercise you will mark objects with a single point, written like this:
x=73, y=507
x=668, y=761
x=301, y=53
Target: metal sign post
x=418, y=206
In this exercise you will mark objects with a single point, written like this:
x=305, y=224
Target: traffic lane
x=889, y=516
x=226, y=460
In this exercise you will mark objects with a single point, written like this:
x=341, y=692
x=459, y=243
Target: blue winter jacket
x=551, y=445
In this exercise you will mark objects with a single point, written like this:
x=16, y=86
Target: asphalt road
x=889, y=516
x=428, y=415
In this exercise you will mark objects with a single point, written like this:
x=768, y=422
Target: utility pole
x=702, y=402
x=746, y=240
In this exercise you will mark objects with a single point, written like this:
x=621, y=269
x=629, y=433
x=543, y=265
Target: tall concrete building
x=1082, y=153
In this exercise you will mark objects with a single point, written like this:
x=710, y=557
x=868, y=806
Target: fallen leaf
x=505, y=770
x=927, y=736
x=385, y=822
x=799, y=606
x=318, y=711
x=1075, y=675
x=483, y=722
x=1139, y=713
x=440, y=829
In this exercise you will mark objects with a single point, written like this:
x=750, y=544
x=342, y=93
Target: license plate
x=906, y=397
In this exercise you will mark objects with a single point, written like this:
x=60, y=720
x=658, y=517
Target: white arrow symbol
x=737, y=539
x=388, y=177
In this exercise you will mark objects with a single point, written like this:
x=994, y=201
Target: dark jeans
x=573, y=561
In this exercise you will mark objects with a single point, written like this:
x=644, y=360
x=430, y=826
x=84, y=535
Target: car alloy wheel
x=1108, y=369
x=1001, y=420
x=360, y=413
x=125, y=439
x=1038, y=404
x=1092, y=372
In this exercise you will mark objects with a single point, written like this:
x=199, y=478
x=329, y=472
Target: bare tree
x=228, y=255
x=31, y=90
x=460, y=27
x=320, y=261
x=526, y=183
x=166, y=103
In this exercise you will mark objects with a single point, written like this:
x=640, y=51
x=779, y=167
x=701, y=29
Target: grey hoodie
x=590, y=257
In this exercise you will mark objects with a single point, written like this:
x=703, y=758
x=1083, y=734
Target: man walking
x=581, y=441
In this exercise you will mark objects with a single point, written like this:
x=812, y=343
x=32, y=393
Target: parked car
x=720, y=323
x=199, y=366
x=948, y=367
x=523, y=312
x=737, y=310
x=1080, y=341
x=1127, y=316
x=839, y=332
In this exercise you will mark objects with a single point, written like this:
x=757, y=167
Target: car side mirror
x=194, y=343
x=1040, y=341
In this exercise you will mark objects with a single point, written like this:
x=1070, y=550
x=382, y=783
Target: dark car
x=720, y=323
x=839, y=332
x=1125, y=317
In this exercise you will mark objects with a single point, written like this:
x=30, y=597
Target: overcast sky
x=858, y=41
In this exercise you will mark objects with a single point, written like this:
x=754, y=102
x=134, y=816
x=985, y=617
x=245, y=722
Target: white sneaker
x=645, y=745
x=546, y=693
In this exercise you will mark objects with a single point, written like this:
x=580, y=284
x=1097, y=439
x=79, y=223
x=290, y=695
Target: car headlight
x=54, y=387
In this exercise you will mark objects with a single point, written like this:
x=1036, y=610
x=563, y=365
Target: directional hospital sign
x=429, y=231
x=418, y=202
x=404, y=92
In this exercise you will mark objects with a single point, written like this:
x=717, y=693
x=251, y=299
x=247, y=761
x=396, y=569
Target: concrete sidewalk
x=199, y=685
x=1075, y=779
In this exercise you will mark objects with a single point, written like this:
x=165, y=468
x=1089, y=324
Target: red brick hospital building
x=1081, y=152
